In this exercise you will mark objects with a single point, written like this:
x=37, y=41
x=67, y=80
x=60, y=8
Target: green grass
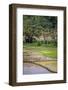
x=49, y=53
x=42, y=50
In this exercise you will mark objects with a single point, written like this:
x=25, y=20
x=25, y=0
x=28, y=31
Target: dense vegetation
x=37, y=27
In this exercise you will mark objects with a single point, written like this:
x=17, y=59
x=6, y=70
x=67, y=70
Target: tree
x=31, y=27
x=39, y=25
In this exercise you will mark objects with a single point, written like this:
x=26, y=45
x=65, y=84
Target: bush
x=39, y=43
x=55, y=43
x=45, y=42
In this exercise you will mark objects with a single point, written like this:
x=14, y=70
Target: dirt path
x=33, y=56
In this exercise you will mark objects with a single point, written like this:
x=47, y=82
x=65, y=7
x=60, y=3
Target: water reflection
x=30, y=68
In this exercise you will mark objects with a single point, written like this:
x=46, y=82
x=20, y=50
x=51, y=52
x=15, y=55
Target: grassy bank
x=41, y=50
x=51, y=65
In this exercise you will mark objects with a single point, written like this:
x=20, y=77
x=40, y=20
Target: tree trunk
x=29, y=39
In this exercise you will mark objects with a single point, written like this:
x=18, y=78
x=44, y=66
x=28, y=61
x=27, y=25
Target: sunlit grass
x=42, y=50
x=49, y=53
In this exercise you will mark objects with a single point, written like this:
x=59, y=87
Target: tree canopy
x=37, y=25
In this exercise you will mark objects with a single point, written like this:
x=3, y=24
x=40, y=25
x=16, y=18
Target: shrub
x=39, y=43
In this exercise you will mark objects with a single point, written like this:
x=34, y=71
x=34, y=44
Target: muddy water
x=30, y=68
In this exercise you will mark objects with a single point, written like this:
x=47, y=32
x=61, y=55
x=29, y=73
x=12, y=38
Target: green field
x=41, y=50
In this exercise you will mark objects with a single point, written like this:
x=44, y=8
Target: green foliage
x=39, y=43
x=33, y=24
x=39, y=25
